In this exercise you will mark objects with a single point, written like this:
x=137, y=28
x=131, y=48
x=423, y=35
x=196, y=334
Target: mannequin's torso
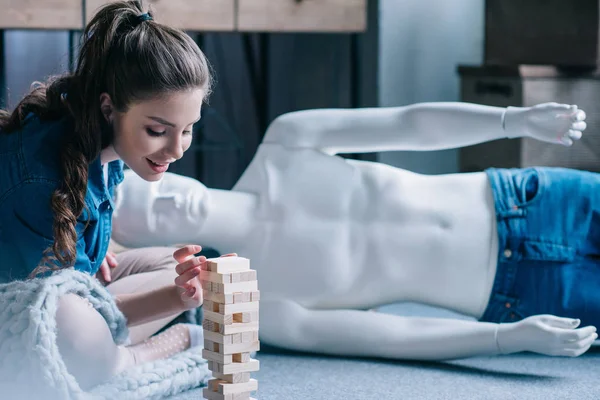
x=354, y=234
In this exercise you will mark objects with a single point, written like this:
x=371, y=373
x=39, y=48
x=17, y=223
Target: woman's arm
x=140, y=308
x=422, y=126
x=371, y=334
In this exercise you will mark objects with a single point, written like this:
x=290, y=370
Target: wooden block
x=220, y=338
x=35, y=14
x=245, y=276
x=238, y=297
x=208, y=276
x=239, y=307
x=237, y=338
x=224, y=387
x=197, y=15
x=255, y=296
x=302, y=16
x=230, y=288
x=226, y=265
x=218, y=297
x=220, y=358
x=249, y=337
x=240, y=377
x=222, y=318
x=210, y=395
x=234, y=348
x=240, y=358
x=238, y=328
x=212, y=346
x=251, y=365
x=210, y=326
x=245, y=317
x=249, y=276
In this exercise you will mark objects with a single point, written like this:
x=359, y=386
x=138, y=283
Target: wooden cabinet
x=36, y=14
x=199, y=15
x=302, y=15
x=193, y=15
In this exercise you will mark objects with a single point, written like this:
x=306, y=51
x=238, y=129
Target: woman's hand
x=110, y=261
x=188, y=269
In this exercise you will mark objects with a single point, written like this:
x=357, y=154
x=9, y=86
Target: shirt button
x=508, y=253
x=507, y=305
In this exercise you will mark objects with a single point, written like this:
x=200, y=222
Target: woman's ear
x=106, y=107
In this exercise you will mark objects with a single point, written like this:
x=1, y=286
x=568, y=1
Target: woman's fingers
x=184, y=253
x=111, y=258
x=184, y=278
x=105, y=271
x=191, y=263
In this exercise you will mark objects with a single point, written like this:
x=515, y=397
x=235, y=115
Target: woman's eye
x=154, y=133
x=187, y=132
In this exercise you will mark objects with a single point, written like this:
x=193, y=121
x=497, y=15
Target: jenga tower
x=230, y=325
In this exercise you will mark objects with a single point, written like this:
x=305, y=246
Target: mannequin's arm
x=422, y=126
x=371, y=334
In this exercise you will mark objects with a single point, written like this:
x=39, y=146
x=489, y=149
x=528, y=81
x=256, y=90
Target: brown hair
x=132, y=59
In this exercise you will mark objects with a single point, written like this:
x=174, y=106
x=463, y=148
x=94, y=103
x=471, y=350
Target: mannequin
x=332, y=238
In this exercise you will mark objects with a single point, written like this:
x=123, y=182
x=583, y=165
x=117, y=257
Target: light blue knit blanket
x=31, y=366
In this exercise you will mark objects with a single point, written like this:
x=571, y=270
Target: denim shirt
x=30, y=171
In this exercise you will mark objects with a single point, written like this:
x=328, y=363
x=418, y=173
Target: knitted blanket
x=31, y=366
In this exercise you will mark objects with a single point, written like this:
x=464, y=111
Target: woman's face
x=152, y=134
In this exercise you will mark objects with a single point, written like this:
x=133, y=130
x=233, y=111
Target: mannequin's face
x=154, y=133
x=175, y=193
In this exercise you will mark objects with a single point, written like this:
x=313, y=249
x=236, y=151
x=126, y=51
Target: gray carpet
x=291, y=376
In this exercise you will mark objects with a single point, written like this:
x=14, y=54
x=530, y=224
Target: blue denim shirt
x=30, y=171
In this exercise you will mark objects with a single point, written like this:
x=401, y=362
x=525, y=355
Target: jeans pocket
x=529, y=186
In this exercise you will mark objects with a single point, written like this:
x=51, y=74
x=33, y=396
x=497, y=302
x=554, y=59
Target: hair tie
x=144, y=17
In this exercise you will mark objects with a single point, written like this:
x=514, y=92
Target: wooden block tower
x=230, y=325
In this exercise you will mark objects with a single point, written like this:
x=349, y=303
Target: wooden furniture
x=192, y=15
x=302, y=15
x=526, y=86
x=542, y=32
x=199, y=15
x=36, y=14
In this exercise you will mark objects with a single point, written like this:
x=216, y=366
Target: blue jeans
x=549, y=244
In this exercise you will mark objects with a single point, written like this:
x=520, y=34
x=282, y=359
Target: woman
x=133, y=98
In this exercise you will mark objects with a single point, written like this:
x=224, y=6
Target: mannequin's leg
x=141, y=270
x=89, y=352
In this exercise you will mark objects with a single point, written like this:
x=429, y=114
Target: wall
x=421, y=44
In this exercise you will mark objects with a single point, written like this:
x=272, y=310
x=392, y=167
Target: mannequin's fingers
x=578, y=115
x=565, y=141
x=571, y=336
x=559, y=322
x=574, y=135
x=578, y=348
x=579, y=126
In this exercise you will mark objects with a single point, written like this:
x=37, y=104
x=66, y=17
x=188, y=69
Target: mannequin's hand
x=546, y=334
x=548, y=122
x=188, y=269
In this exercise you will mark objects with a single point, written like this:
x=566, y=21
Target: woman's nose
x=175, y=148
